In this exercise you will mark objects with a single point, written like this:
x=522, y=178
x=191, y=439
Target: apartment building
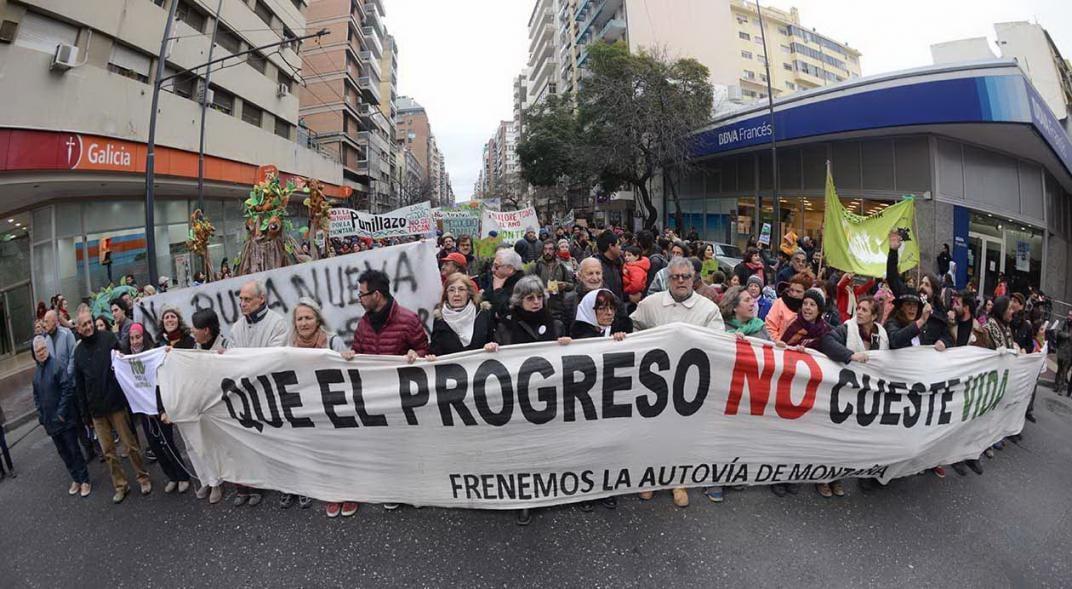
x=543, y=61
x=1033, y=50
x=343, y=99
x=75, y=125
x=800, y=58
x=415, y=132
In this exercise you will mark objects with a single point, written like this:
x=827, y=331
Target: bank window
x=746, y=54
x=192, y=16
x=744, y=36
x=222, y=100
x=228, y=40
x=129, y=63
x=257, y=62
x=252, y=114
x=44, y=34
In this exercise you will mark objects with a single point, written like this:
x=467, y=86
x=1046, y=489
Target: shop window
x=42, y=33
x=129, y=63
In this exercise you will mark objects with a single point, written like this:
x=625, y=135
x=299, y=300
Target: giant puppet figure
x=200, y=233
x=268, y=243
x=319, y=228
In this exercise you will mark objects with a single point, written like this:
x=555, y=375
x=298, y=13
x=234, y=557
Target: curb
x=13, y=424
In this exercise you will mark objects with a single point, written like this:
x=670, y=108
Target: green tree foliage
x=635, y=114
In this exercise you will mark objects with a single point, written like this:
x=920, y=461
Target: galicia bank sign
x=96, y=153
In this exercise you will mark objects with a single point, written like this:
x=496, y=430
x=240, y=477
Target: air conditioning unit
x=282, y=90
x=733, y=93
x=65, y=58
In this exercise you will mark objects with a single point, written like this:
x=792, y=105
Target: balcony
x=373, y=17
x=370, y=89
x=372, y=41
x=371, y=62
x=613, y=30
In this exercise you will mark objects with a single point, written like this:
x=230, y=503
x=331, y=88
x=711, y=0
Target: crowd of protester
x=574, y=283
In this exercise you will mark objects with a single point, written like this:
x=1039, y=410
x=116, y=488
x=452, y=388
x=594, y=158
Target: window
x=746, y=54
x=785, y=48
x=783, y=31
x=758, y=39
x=222, y=100
x=228, y=40
x=263, y=12
x=184, y=85
x=129, y=63
x=283, y=78
x=282, y=128
x=787, y=66
x=192, y=16
x=251, y=114
x=749, y=74
x=257, y=62
x=44, y=34
x=763, y=77
x=742, y=20
x=791, y=85
x=298, y=4
x=744, y=36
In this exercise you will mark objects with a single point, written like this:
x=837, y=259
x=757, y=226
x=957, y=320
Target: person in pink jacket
x=784, y=310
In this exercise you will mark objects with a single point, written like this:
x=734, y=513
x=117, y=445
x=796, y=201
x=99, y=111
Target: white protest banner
x=566, y=221
x=542, y=424
x=332, y=282
x=136, y=374
x=412, y=220
x=511, y=225
x=461, y=221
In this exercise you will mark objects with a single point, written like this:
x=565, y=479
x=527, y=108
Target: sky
x=458, y=58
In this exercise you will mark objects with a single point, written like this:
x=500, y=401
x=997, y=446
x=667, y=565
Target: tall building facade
x=1033, y=50
x=342, y=100
x=73, y=138
x=543, y=60
x=415, y=133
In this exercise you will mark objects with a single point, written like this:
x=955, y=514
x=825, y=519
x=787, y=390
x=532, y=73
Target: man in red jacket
x=387, y=329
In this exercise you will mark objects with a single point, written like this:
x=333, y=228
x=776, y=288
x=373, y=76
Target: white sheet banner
x=136, y=374
x=332, y=282
x=412, y=220
x=542, y=424
x=511, y=225
x=567, y=221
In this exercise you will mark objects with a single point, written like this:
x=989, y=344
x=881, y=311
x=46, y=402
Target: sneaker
x=304, y=502
x=240, y=500
x=120, y=494
x=184, y=486
x=681, y=497
x=939, y=472
x=332, y=510
x=524, y=517
x=349, y=508
x=714, y=494
x=255, y=499
x=286, y=500
x=86, y=490
x=975, y=465
x=216, y=495
x=609, y=502
x=837, y=488
x=646, y=495
x=146, y=487
x=390, y=506
x=824, y=490
x=170, y=487
x=202, y=492
x=73, y=489
x=958, y=467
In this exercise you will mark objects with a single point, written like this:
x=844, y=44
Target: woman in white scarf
x=461, y=321
x=597, y=317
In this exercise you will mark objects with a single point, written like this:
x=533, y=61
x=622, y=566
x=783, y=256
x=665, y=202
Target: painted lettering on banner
x=412, y=220
x=510, y=225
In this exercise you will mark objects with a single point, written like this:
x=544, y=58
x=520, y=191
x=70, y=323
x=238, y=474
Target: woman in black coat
x=528, y=319
x=462, y=321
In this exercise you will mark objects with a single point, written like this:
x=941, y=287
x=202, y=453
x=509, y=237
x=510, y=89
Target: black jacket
x=901, y=335
x=500, y=299
x=54, y=397
x=97, y=391
x=612, y=275
x=936, y=328
x=528, y=250
x=444, y=341
x=512, y=331
x=584, y=330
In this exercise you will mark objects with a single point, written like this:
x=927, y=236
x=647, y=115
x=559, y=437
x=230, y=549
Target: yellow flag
x=858, y=244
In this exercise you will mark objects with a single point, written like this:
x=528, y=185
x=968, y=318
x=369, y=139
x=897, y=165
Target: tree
x=550, y=143
x=637, y=114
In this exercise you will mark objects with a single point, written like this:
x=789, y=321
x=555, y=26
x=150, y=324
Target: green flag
x=853, y=243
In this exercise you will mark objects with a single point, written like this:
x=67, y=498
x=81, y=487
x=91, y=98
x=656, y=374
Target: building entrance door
x=986, y=260
x=16, y=304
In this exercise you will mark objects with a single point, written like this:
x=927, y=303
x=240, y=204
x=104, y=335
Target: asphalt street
x=1007, y=528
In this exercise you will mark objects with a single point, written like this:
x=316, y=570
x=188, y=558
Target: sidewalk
x=16, y=389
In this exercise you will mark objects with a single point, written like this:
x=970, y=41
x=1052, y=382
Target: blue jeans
x=67, y=445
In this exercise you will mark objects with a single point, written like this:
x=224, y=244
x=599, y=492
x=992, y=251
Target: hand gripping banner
x=542, y=424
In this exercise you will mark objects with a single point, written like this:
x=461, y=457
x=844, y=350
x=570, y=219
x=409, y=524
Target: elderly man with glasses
x=679, y=303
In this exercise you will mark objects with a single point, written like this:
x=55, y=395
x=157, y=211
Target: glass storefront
x=1003, y=247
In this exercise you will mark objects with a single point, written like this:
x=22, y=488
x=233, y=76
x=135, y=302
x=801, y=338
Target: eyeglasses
x=533, y=297
x=362, y=295
x=457, y=289
x=681, y=277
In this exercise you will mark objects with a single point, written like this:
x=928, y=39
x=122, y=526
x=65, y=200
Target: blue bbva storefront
x=975, y=144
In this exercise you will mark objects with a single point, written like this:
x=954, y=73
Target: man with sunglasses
x=679, y=303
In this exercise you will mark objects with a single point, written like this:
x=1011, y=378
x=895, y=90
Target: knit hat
x=137, y=328
x=562, y=241
x=910, y=295
x=448, y=234
x=754, y=279
x=817, y=296
x=458, y=259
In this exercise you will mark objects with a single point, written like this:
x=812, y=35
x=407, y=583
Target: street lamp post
x=777, y=208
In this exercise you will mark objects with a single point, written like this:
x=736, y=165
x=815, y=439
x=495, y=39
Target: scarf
x=802, y=332
x=319, y=340
x=751, y=327
x=257, y=315
x=586, y=311
x=539, y=323
x=792, y=304
x=378, y=319
x=461, y=322
x=757, y=270
x=854, y=338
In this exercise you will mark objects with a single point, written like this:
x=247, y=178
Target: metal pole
x=204, y=107
x=775, y=232
x=150, y=148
